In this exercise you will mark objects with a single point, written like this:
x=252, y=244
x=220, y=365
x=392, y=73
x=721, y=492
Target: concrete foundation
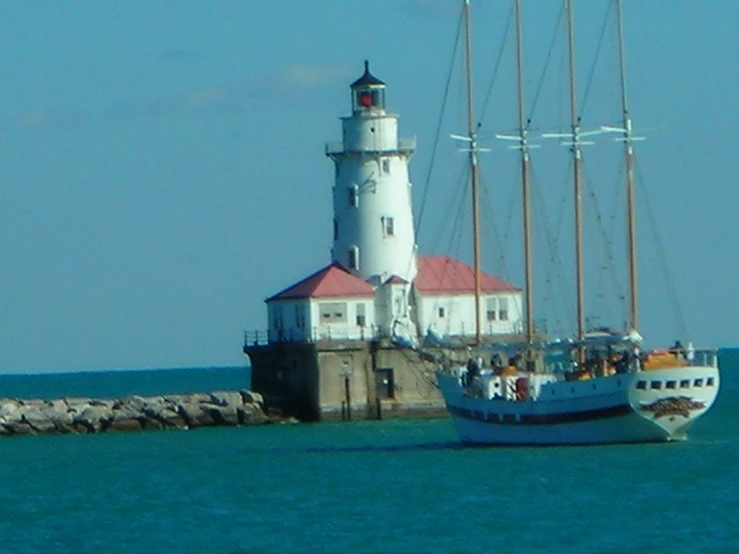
x=349, y=380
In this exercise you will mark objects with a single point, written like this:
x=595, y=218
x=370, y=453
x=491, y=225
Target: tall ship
x=594, y=387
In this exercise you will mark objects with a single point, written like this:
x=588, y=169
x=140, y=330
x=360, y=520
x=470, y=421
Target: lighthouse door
x=384, y=383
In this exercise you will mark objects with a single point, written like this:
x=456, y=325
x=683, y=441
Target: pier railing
x=364, y=333
x=316, y=334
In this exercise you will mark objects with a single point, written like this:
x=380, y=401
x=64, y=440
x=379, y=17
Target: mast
x=576, y=159
x=629, y=152
x=474, y=176
x=523, y=145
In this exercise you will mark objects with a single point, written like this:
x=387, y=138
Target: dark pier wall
x=343, y=380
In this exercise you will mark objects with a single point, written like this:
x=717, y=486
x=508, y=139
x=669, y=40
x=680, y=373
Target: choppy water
x=390, y=486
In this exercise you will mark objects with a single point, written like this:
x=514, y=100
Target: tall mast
x=629, y=150
x=523, y=145
x=473, y=169
x=576, y=158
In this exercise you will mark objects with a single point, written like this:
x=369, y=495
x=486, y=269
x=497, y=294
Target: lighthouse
x=337, y=341
x=373, y=233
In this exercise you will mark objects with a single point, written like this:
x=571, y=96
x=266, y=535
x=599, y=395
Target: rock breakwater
x=132, y=413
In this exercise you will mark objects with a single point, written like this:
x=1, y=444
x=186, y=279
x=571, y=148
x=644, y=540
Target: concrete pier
x=348, y=380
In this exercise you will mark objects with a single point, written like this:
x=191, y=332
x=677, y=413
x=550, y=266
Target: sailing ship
x=595, y=387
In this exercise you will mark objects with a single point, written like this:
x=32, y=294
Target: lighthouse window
x=354, y=196
x=354, y=257
x=370, y=98
x=388, y=227
x=336, y=229
x=386, y=165
x=503, y=309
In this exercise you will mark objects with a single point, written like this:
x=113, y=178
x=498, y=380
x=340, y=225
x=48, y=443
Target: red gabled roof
x=331, y=281
x=445, y=275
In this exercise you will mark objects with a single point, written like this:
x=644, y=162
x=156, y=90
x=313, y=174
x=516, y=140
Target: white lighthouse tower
x=374, y=236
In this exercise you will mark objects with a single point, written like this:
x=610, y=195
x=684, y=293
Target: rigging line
x=457, y=203
x=671, y=290
x=556, y=271
x=495, y=70
x=603, y=28
x=496, y=235
x=440, y=122
x=616, y=217
x=546, y=62
x=609, y=266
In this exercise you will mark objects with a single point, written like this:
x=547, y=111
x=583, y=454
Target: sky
x=162, y=166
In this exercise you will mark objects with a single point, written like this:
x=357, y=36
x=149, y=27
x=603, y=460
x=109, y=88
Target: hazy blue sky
x=163, y=170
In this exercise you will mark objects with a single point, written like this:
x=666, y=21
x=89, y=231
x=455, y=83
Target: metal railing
x=404, y=145
x=315, y=334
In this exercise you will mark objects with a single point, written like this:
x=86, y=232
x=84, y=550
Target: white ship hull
x=644, y=406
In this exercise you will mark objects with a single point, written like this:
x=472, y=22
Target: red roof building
x=332, y=281
x=445, y=275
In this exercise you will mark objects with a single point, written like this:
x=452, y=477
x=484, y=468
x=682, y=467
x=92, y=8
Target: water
x=390, y=486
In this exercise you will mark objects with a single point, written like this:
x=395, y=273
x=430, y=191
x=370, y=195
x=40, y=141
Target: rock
x=132, y=413
x=125, y=425
x=248, y=397
x=40, y=421
x=224, y=415
x=18, y=428
x=250, y=414
x=226, y=398
x=194, y=414
x=10, y=410
x=94, y=418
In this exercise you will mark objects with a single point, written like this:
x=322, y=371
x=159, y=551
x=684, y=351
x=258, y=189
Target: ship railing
x=701, y=356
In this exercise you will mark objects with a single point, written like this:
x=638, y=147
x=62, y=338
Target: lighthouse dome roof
x=367, y=78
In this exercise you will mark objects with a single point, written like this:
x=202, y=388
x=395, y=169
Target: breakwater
x=132, y=413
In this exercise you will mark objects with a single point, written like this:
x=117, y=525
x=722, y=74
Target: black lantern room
x=368, y=92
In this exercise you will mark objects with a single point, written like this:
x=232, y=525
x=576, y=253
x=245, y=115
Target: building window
x=388, y=226
x=361, y=318
x=386, y=165
x=336, y=229
x=354, y=257
x=332, y=312
x=442, y=312
x=354, y=196
x=491, y=312
x=299, y=317
x=503, y=309
x=277, y=317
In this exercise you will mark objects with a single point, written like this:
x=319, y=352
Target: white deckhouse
x=376, y=284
